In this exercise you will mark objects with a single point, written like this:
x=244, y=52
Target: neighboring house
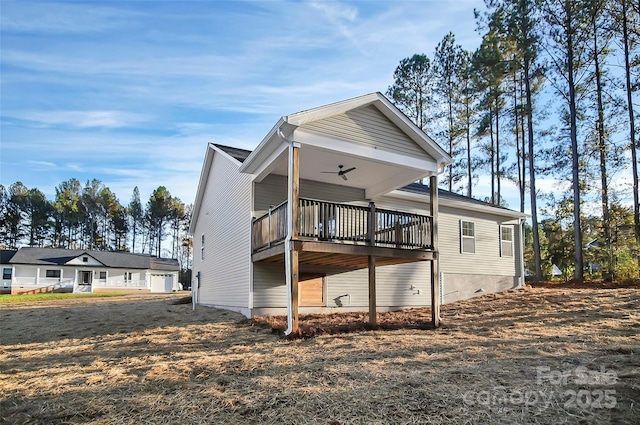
x=6, y=269
x=77, y=270
x=325, y=216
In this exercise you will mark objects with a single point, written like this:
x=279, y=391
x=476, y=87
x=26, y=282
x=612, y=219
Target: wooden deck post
x=435, y=286
x=372, y=291
x=372, y=266
x=295, y=201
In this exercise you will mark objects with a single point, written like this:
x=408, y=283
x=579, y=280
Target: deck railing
x=343, y=223
x=269, y=229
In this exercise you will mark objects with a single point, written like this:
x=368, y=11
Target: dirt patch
x=539, y=355
x=312, y=325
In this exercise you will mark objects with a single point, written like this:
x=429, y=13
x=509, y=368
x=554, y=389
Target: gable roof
x=236, y=153
x=287, y=124
x=60, y=257
x=6, y=255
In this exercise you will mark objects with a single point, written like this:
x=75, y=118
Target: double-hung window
x=467, y=237
x=506, y=241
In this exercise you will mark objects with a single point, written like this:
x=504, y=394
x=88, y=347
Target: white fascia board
x=262, y=151
x=204, y=175
x=379, y=155
x=268, y=165
x=469, y=206
x=330, y=110
x=212, y=150
x=226, y=155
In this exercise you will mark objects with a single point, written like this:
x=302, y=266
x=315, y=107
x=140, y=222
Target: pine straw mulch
x=146, y=360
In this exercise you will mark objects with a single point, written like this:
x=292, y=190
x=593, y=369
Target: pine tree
x=412, y=89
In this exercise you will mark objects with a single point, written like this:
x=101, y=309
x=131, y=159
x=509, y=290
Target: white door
x=84, y=282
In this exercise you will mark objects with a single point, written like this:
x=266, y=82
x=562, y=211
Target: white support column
x=291, y=255
x=435, y=286
x=61, y=274
x=38, y=276
x=521, y=223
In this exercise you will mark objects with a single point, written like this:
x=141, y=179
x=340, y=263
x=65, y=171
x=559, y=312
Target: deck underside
x=343, y=256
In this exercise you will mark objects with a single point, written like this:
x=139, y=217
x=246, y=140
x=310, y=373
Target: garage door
x=161, y=282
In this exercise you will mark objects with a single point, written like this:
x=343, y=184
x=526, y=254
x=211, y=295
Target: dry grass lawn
x=536, y=355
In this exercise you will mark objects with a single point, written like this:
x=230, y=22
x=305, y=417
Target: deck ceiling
x=375, y=176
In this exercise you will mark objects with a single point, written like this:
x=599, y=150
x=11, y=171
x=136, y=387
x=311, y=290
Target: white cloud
x=46, y=17
x=85, y=119
x=44, y=164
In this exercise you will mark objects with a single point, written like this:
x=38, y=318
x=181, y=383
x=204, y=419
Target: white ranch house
x=325, y=215
x=30, y=270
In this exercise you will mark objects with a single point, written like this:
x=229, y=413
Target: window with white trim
x=53, y=274
x=103, y=276
x=6, y=273
x=202, y=248
x=467, y=237
x=506, y=241
x=127, y=276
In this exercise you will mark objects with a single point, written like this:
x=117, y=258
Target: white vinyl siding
x=506, y=241
x=467, y=237
x=488, y=260
x=225, y=221
x=396, y=286
x=367, y=126
x=272, y=191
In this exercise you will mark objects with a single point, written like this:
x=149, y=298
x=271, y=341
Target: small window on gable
x=467, y=237
x=202, y=248
x=506, y=241
x=53, y=274
x=85, y=259
x=6, y=273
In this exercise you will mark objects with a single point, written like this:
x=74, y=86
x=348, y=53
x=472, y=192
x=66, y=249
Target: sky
x=130, y=93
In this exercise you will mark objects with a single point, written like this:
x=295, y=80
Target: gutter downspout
x=288, y=245
x=521, y=237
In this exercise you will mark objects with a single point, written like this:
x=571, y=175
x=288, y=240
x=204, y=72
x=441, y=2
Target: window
x=506, y=241
x=85, y=259
x=127, y=276
x=202, y=248
x=467, y=237
x=103, y=275
x=53, y=273
x=6, y=274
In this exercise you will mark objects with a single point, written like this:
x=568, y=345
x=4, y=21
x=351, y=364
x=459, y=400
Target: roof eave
x=469, y=206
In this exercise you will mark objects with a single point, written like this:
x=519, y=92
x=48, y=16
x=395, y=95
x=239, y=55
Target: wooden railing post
x=371, y=223
x=269, y=228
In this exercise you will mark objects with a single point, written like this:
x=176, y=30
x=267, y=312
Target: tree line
x=92, y=217
x=551, y=92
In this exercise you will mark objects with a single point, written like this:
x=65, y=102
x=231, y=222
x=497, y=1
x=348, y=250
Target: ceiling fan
x=342, y=173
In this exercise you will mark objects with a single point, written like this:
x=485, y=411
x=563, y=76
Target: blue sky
x=131, y=92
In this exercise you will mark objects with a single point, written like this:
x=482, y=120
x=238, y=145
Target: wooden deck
x=344, y=236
